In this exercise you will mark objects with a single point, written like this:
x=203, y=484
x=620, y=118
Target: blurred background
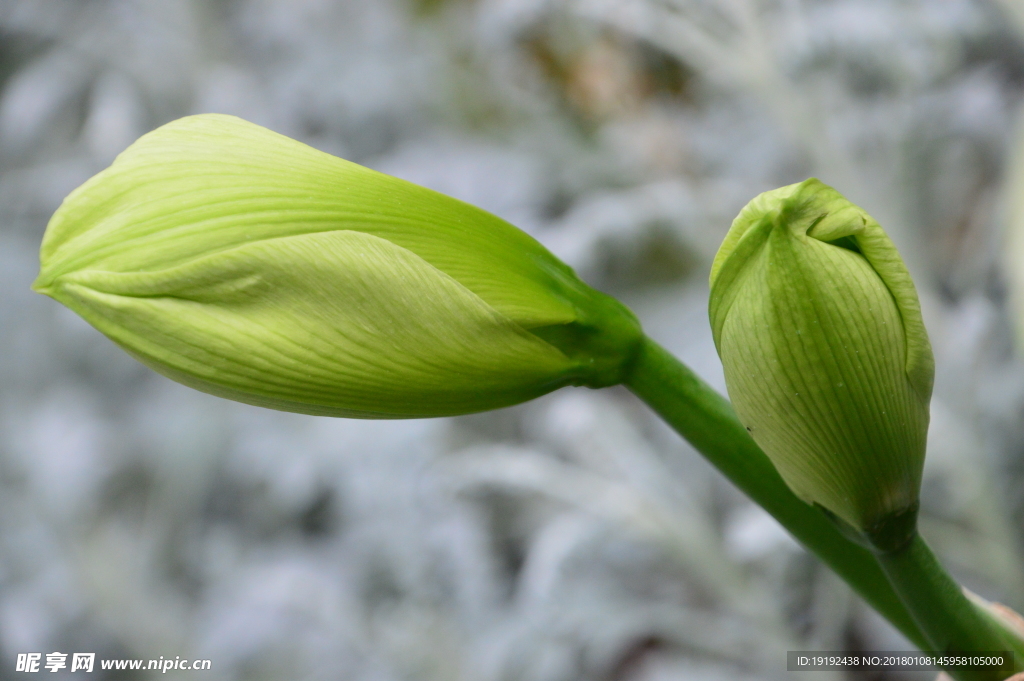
x=572, y=538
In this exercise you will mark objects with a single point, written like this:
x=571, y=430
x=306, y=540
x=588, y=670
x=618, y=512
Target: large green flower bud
x=826, y=356
x=251, y=266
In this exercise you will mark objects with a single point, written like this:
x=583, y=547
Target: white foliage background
x=574, y=537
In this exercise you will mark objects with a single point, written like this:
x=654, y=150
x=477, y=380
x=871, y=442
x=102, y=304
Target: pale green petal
x=209, y=183
x=817, y=210
x=336, y=322
x=210, y=192
x=821, y=385
x=845, y=219
x=826, y=356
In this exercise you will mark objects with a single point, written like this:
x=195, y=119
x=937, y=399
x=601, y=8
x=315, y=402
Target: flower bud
x=251, y=266
x=826, y=357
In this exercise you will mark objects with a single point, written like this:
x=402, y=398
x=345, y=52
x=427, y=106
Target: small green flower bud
x=826, y=357
x=251, y=266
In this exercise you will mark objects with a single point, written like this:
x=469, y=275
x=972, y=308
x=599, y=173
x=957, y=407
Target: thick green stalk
x=950, y=622
x=706, y=419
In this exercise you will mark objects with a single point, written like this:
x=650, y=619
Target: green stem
x=708, y=422
x=950, y=622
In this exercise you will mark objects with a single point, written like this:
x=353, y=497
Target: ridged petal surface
x=826, y=357
x=340, y=323
x=213, y=182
